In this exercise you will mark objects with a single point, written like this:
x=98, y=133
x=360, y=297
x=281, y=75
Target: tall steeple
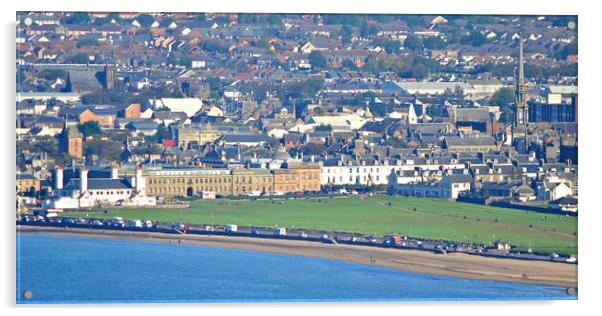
x=521, y=111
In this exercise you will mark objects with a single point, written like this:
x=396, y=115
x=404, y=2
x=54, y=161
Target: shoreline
x=457, y=265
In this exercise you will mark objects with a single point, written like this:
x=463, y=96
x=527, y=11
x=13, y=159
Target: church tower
x=521, y=109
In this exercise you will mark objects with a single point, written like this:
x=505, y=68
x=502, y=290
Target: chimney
x=139, y=179
x=83, y=175
x=114, y=171
x=58, y=177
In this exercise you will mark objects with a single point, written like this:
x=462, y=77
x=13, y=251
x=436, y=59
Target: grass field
x=432, y=219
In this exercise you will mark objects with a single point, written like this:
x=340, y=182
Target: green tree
x=162, y=133
x=420, y=72
x=535, y=71
x=368, y=29
x=145, y=20
x=475, y=39
x=569, y=49
x=313, y=86
x=215, y=87
x=413, y=20
x=392, y=47
x=78, y=18
x=459, y=93
x=221, y=20
x=79, y=58
x=52, y=74
x=349, y=64
x=89, y=128
x=103, y=149
x=503, y=97
x=317, y=60
x=413, y=43
x=434, y=43
x=346, y=34
x=274, y=19
x=379, y=109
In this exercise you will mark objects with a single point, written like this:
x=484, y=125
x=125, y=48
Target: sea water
x=72, y=269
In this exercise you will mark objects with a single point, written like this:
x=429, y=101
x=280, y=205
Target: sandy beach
x=453, y=264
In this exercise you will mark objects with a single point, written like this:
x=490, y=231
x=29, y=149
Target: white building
x=190, y=106
x=449, y=187
x=91, y=192
x=354, y=173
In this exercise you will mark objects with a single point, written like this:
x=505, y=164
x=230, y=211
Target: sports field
x=379, y=215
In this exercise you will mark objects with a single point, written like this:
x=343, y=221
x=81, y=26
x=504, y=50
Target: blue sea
x=66, y=269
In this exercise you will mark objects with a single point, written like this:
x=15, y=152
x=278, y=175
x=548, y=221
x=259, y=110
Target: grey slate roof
x=100, y=184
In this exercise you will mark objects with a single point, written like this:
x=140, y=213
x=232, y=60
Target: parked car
x=280, y=232
x=96, y=222
x=135, y=223
x=231, y=228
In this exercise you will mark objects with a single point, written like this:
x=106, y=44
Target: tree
x=31, y=192
x=379, y=109
x=503, y=97
x=459, y=93
x=346, y=34
x=185, y=60
x=89, y=128
x=274, y=19
x=570, y=49
x=215, y=86
x=79, y=58
x=349, y=64
x=413, y=20
x=317, y=60
x=145, y=20
x=475, y=39
x=259, y=92
x=221, y=20
x=103, y=149
x=413, y=43
x=392, y=47
x=313, y=86
x=78, y=18
x=534, y=71
x=162, y=133
x=434, y=43
x=368, y=29
x=419, y=72
x=52, y=74
x=300, y=107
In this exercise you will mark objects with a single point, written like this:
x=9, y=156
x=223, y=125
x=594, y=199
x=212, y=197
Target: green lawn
x=433, y=219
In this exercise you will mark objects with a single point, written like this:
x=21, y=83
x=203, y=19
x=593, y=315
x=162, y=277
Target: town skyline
x=439, y=144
